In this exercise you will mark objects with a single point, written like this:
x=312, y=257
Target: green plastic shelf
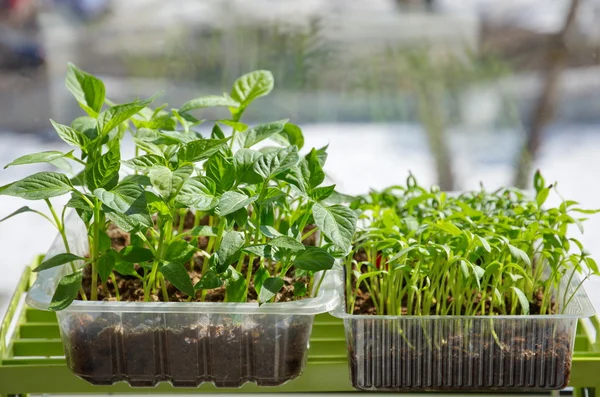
x=32, y=361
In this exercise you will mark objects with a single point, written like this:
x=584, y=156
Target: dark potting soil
x=524, y=357
x=228, y=354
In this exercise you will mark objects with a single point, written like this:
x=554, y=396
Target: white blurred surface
x=361, y=156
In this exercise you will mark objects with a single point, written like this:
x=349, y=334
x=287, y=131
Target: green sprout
x=426, y=252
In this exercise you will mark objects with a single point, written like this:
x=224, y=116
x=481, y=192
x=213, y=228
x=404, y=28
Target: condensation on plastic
x=451, y=353
x=187, y=343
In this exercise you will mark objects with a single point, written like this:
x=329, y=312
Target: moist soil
x=185, y=351
x=226, y=354
x=530, y=358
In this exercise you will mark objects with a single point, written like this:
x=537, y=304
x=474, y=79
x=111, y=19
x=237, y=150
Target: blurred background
x=458, y=92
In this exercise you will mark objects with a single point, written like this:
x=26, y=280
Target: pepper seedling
x=252, y=194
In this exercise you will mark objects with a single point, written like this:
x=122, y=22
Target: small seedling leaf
x=89, y=91
x=39, y=186
x=57, y=260
x=271, y=286
x=177, y=275
x=66, y=291
x=209, y=281
x=314, y=259
x=337, y=223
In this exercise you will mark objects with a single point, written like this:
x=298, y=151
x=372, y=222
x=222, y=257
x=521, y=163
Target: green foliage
x=259, y=205
x=425, y=252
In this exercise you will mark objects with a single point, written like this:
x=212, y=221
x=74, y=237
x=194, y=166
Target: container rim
x=585, y=310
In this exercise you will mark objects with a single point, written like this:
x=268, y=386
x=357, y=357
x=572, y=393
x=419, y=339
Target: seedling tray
x=32, y=360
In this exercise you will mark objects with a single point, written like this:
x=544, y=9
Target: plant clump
x=255, y=200
x=427, y=252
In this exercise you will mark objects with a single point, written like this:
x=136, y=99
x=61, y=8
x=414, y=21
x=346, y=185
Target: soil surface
x=131, y=288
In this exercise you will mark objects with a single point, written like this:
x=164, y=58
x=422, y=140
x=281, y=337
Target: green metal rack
x=32, y=361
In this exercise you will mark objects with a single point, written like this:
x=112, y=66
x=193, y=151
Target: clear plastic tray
x=452, y=353
x=186, y=344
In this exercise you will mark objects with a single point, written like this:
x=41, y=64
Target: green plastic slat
x=34, y=361
x=37, y=348
x=34, y=330
x=327, y=368
x=40, y=316
x=324, y=331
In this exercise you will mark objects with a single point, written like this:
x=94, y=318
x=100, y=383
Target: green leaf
x=259, y=133
x=541, y=196
x=232, y=201
x=448, y=227
x=300, y=289
x=251, y=86
x=21, y=211
x=104, y=172
x=221, y=171
x=217, y=132
x=290, y=136
x=39, y=186
x=312, y=170
x=125, y=222
x=276, y=162
x=125, y=268
x=168, y=183
x=88, y=90
x=485, y=244
x=201, y=149
x=209, y=281
x=204, y=230
x=235, y=288
x=271, y=286
x=179, y=251
x=244, y=160
x=519, y=254
x=271, y=194
x=57, y=260
x=128, y=199
x=321, y=193
x=522, y=300
x=259, y=278
x=269, y=231
x=157, y=205
x=294, y=177
x=106, y=264
x=287, y=243
x=229, y=249
x=134, y=254
x=262, y=250
x=236, y=125
x=66, y=291
x=314, y=259
x=176, y=274
x=145, y=162
x=41, y=157
x=112, y=117
x=209, y=101
x=337, y=222
x=86, y=126
x=198, y=193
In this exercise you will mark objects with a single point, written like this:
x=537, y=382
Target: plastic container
x=466, y=353
x=185, y=344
